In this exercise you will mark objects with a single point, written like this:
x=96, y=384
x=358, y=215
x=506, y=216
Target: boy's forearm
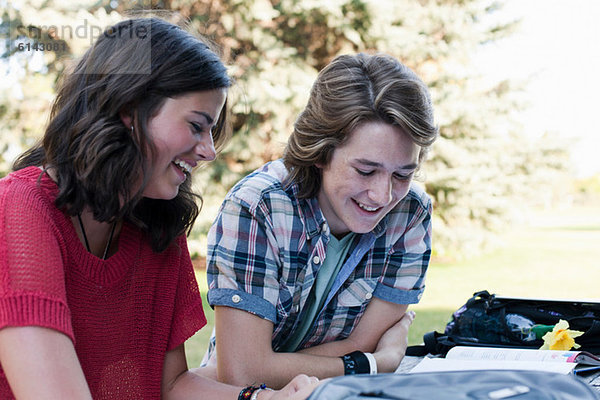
x=277, y=369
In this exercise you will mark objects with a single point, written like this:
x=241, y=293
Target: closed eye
x=364, y=173
x=197, y=128
x=403, y=177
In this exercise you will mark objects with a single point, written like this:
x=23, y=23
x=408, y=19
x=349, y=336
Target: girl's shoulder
x=27, y=190
x=26, y=181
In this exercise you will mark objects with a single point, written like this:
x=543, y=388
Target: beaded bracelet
x=260, y=389
x=247, y=392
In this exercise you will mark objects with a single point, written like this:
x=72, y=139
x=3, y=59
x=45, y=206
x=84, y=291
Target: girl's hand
x=299, y=388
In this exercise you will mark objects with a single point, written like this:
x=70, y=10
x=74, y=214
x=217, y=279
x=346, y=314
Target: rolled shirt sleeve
x=242, y=271
x=403, y=277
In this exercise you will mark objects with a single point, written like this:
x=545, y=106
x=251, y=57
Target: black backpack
x=494, y=321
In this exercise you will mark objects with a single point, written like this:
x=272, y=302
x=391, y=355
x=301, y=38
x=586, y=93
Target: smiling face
x=181, y=134
x=367, y=177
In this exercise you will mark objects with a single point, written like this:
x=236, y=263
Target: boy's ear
x=126, y=117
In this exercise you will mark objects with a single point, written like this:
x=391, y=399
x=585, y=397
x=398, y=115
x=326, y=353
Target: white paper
x=445, y=364
x=508, y=354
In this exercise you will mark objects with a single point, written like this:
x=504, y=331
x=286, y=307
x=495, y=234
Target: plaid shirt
x=266, y=246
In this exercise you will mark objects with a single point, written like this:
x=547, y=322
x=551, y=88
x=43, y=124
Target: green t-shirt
x=334, y=259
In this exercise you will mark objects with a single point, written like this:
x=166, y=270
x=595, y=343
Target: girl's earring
x=132, y=129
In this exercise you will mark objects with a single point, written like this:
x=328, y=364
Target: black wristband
x=356, y=363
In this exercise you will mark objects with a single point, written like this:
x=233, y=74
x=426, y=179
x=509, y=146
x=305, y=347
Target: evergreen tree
x=480, y=171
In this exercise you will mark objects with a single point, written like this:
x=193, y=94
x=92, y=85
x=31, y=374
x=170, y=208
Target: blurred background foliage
x=482, y=173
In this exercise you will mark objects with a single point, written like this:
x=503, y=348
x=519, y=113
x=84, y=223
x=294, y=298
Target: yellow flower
x=561, y=337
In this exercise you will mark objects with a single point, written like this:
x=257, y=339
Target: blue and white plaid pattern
x=266, y=246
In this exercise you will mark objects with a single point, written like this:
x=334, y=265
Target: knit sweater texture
x=122, y=314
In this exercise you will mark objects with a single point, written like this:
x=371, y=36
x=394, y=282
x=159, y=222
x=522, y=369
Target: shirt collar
x=315, y=220
x=381, y=227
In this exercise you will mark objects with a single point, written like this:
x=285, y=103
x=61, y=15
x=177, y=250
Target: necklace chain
x=85, y=239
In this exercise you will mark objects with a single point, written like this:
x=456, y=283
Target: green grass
x=557, y=254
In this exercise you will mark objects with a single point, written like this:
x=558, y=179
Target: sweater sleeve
x=32, y=284
x=188, y=316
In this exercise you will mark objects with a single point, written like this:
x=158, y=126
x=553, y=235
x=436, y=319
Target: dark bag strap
x=433, y=343
x=437, y=343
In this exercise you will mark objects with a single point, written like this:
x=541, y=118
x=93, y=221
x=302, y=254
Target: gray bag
x=457, y=385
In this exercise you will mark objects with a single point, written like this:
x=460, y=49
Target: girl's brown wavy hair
x=132, y=68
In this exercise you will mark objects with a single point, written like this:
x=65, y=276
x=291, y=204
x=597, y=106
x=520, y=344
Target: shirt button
x=368, y=296
x=236, y=299
x=316, y=260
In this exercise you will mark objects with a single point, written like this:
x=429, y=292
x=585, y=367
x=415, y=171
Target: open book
x=464, y=358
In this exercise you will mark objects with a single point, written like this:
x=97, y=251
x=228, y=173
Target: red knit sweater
x=122, y=314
